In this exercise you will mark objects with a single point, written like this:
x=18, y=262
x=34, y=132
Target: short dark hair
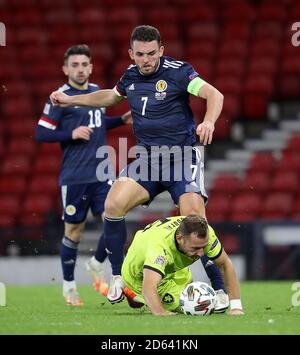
x=145, y=33
x=193, y=224
x=77, y=50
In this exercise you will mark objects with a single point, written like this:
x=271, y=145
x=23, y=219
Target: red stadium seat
x=272, y=12
x=17, y=165
x=31, y=222
x=203, y=12
x=47, y=164
x=174, y=49
x=9, y=205
x=256, y=182
x=237, y=30
x=262, y=162
x=236, y=10
x=218, y=208
x=293, y=144
x=255, y=106
x=38, y=204
x=13, y=185
x=263, y=65
x=285, y=182
x=223, y=127
x=49, y=149
x=2, y=146
x=290, y=162
x=15, y=89
x=7, y=221
x=265, y=47
x=203, y=31
x=22, y=145
x=22, y=128
x=12, y=72
x=31, y=36
x=203, y=67
x=44, y=184
x=231, y=105
x=10, y=109
x=290, y=65
x=277, y=206
x=226, y=184
x=269, y=29
x=91, y=16
x=289, y=86
x=228, y=84
x=230, y=66
x=259, y=85
x=196, y=51
x=233, y=48
x=245, y=206
x=126, y=17
x=296, y=209
x=31, y=16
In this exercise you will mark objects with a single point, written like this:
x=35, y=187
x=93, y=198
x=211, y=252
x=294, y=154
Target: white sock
x=95, y=263
x=68, y=285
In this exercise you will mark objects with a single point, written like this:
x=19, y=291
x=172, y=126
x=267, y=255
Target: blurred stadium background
x=244, y=48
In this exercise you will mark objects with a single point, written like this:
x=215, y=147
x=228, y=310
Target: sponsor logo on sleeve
x=214, y=244
x=160, y=260
x=193, y=75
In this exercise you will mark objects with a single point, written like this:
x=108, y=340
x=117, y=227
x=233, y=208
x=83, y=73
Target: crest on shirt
x=70, y=210
x=161, y=86
x=160, y=260
x=167, y=298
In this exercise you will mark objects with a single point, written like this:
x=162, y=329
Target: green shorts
x=170, y=289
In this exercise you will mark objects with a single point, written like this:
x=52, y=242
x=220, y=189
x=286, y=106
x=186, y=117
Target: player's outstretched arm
x=101, y=98
x=231, y=283
x=151, y=280
x=214, y=100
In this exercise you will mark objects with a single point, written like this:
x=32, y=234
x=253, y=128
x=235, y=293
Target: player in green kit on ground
x=156, y=267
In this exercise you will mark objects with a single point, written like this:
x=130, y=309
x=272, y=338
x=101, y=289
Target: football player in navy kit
x=81, y=131
x=157, y=89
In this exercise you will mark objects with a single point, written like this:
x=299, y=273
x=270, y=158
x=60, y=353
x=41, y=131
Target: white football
x=197, y=299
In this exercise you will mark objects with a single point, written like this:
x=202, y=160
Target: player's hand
x=205, y=131
x=58, y=98
x=82, y=132
x=127, y=118
x=236, y=312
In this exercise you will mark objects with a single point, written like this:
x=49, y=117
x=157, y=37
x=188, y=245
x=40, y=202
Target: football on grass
x=197, y=299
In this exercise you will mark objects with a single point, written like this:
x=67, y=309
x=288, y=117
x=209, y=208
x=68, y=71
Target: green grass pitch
x=41, y=310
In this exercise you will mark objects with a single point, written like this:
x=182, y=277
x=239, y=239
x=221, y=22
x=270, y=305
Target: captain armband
x=195, y=85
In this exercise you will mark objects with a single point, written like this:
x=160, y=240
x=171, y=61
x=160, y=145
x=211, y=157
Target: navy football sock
x=114, y=239
x=68, y=255
x=101, y=253
x=213, y=273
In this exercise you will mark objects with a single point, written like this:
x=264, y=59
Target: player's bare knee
x=114, y=208
x=73, y=231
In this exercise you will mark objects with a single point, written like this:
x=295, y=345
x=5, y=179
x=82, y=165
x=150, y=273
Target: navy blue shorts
x=178, y=173
x=78, y=199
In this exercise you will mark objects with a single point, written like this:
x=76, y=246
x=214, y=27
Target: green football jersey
x=155, y=248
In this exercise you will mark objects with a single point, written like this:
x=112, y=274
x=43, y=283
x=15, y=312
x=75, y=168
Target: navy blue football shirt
x=79, y=163
x=160, y=103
